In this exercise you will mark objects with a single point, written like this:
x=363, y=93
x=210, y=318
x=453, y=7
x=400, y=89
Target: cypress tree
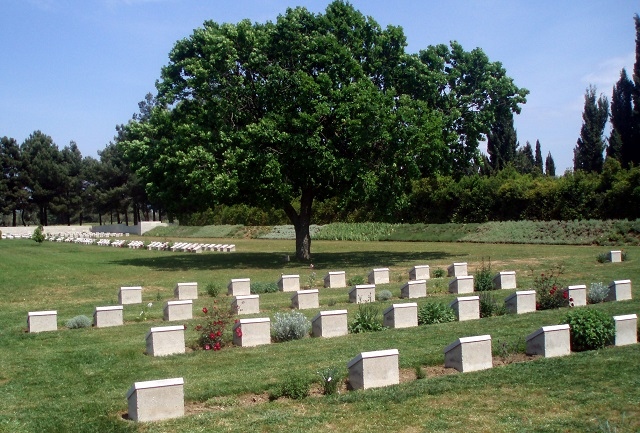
x=622, y=136
x=538, y=159
x=588, y=153
x=631, y=150
x=549, y=166
x=502, y=141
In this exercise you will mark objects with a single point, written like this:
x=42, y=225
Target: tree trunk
x=14, y=218
x=301, y=223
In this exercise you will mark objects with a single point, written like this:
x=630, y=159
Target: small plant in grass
x=367, y=319
x=590, y=329
x=215, y=332
x=623, y=256
x=506, y=349
x=311, y=279
x=144, y=314
x=384, y=295
x=330, y=379
x=290, y=326
x=438, y=273
x=597, y=293
x=356, y=280
x=603, y=258
x=435, y=312
x=38, y=235
x=294, y=387
x=483, y=279
x=548, y=290
x=420, y=374
x=258, y=288
x=490, y=307
x=214, y=289
x=78, y=322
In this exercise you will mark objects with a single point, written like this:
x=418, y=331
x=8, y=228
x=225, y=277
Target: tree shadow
x=239, y=260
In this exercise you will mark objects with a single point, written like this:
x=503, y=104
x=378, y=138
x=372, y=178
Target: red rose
x=204, y=310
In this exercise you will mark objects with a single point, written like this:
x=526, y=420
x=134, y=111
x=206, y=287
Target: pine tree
x=538, y=158
x=502, y=141
x=549, y=166
x=588, y=153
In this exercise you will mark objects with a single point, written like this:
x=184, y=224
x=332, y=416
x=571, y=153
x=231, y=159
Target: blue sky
x=74, y=69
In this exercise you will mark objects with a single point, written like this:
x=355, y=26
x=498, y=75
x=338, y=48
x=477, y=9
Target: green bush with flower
x=549, y=293
x=215, y=332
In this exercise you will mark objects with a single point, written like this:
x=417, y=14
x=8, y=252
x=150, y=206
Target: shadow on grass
x=328, y=261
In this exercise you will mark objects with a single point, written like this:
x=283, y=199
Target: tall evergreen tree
x=502, y=140
x=631, y=151
x=524, y=161
x=622, y=130
x=538, y=158
x=549, y=166
x=588, y=153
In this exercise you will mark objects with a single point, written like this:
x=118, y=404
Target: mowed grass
x=76, y=380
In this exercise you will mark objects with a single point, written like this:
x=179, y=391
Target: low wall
x=139, y=229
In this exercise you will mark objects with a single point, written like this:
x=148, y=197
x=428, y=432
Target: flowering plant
x=548, y=290
x=214, y=334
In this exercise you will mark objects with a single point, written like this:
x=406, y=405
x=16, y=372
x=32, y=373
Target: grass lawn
x=76, y=380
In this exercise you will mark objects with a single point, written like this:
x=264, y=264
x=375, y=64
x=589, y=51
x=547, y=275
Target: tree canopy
x=309, y=107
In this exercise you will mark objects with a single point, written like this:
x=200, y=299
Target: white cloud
x=607, y=73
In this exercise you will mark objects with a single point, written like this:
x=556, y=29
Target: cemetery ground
x=75, y=380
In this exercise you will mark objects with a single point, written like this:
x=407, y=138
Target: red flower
x=216, y=346
x=537, y=305
x=212, y=335
x=204, y=310
x=199, y=328
x=207, y=347
x=570, y=299
x=236, y=321
x=565, y=295
x=218, y=334
x=239, y=332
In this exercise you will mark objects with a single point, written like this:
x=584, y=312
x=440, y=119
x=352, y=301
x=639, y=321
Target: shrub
x=435, y=312
x=438, y=273
x=78, y=322
x=215, y=333
x=294, y=387
x=590, y=329
x=290, y=326
x=214, y=289
x=384, y=295
x=38, y=235
x=603, y=257
x=483, y=279
x=490, y=307
x=597, y=293
x=330, y=379
x=548, y=293
x=623, y=256
x=367, y=319
x=355, y=280
x=258, y=288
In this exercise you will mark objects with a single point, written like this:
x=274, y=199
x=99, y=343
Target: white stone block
x=41, y=321
x=457, y=270
x=615, y=256
x=184, y=291
x=419, y=272
x=253, y=332
x=336, y=279
x=619, y=290
x=246, y=304
x=577, y=295
x=330, y=324
x=178, y=310
x=626, y=329
x=469, y=354
x=466, y=308
x=374, y=369
x=130, y=295
x=414, y=289
x=401, y=315
x=305, y=299
x=550, y=341
x=379, y=276
x=156, y=400
x=165, y=340
x=289, y=283
x=462, y=284
x=505, y=280
x=104, y=317
x=362, y=293
x=239, y=287
x=521, y=302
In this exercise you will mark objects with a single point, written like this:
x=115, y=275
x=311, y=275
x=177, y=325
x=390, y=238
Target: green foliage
x=290, y=326
x=548, y=289
x=356, y=280
x=438, y=273
x=603, y=258
x=355, y=232
x=215, y=330
x=588, y=153
x=330, y=379
x=483, y=278
x=295, y=387
x=258, y=288
x=490, y=307
x=214, y=289
x=237, y=214
x=420, y=374
x=288, y=232
x=78, y=322
x=384, y=295
x=38, y=235
x=435, y=312
x=590, y=329
x=367, y=319
x=597, y=293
